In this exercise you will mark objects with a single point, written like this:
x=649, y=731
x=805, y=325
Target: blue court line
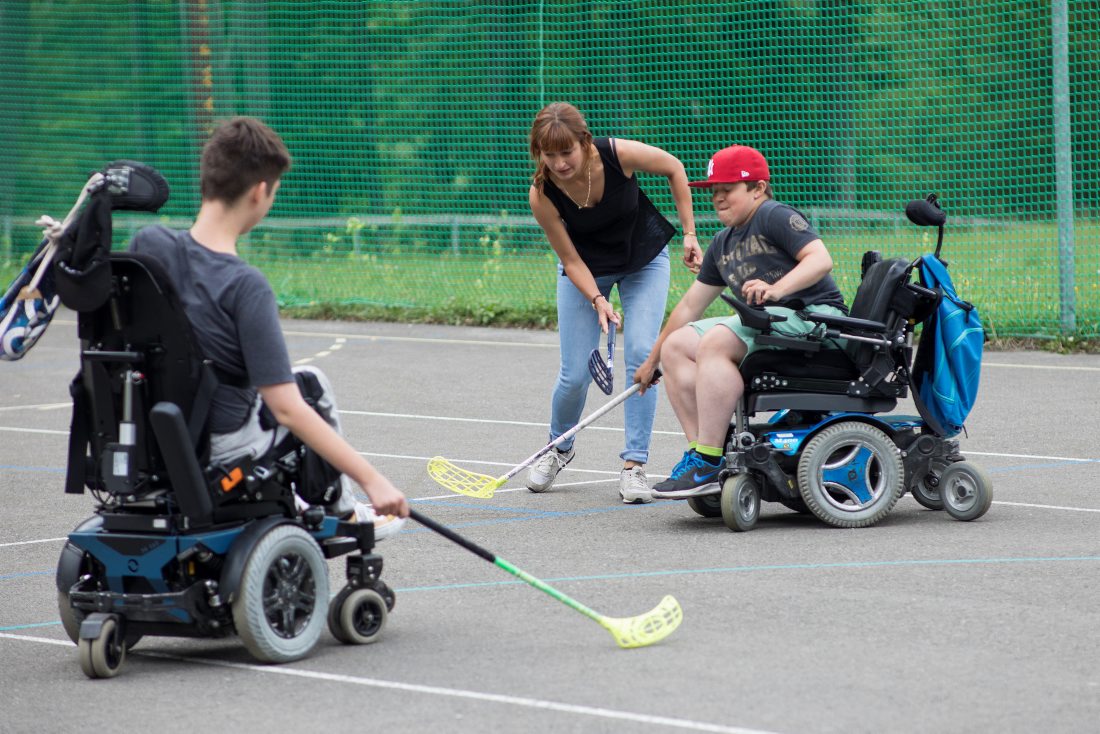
x=779, y=567
x=7, y=576
x=48, y=469
x=28, y=626
x=731, y=569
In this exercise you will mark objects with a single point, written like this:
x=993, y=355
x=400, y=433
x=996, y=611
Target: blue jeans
x=643, y=295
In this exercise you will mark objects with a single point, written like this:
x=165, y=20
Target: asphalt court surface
x=920, y=623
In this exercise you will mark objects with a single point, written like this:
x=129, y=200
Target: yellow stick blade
x=457, y=479
x=648, y=628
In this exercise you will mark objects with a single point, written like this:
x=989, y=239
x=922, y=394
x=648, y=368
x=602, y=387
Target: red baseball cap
x=733, y=164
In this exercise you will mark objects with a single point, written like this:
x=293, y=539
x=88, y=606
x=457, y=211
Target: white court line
x=1071, y=368
x=520, y=701
x=31, y=542
x=20, y=429
x=1046, y=507
x=422, y=339
x=39, y=406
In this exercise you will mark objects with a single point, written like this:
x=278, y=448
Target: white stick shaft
x=573, y=431
x=52, y=247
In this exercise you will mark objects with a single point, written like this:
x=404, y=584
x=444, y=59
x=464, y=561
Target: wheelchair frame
x=176, y=550
x=827, y=451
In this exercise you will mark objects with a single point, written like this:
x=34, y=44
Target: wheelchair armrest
x=188, y=484
x=845, y=322
x=753, y=317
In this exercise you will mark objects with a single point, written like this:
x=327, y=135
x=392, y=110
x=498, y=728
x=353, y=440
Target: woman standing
x=606, y=233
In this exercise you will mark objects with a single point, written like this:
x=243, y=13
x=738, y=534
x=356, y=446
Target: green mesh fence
x=408, y=124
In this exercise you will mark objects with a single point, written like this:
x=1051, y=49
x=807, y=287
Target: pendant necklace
x=586, y=196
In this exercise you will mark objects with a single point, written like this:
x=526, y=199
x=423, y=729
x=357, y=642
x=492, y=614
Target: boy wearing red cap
x=767, y=254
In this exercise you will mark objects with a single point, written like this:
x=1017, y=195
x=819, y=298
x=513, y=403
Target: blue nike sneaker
x=696, y=475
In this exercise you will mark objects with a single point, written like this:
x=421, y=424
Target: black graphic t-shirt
x=765, y=248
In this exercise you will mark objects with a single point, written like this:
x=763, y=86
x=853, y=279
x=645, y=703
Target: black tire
x=967, y=491
x=334, y=607
x=926, y=489
x=709, y=505
x=103, y=657
x=282, y=603
x=361, y=617
x=850, y=475
x=740, y=503
x=71, y=618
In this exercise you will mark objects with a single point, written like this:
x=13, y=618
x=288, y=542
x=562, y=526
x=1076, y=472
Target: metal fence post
x=1063, y=163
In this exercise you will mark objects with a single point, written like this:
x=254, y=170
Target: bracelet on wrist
x=689, y=234
x=598, y=295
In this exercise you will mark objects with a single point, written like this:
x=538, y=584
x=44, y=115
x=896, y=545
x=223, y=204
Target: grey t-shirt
x=764, y=248
x=233, y=313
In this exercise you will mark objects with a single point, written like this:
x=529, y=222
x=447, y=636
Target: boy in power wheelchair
x=219, y=502
x=825, y=451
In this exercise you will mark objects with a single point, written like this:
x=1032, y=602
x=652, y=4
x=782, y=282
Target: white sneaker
x=634, y=487
x=384, y=525
x=542, y=474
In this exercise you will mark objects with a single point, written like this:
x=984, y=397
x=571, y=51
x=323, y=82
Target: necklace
x=586, y=196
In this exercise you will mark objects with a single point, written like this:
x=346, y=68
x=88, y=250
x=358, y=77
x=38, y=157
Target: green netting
x=408, y=124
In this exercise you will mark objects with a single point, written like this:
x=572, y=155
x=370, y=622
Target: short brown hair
x=557, y=127
x=240, y=153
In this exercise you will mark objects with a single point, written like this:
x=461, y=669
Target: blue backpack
x=949, y=359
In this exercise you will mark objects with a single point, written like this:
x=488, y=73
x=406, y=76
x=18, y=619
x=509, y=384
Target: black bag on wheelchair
x=319, y=482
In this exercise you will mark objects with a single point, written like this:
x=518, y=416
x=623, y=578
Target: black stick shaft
x=451, y=535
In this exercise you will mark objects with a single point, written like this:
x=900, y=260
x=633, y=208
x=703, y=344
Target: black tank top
x=620, y=234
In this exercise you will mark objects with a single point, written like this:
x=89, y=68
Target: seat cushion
x=828, y=364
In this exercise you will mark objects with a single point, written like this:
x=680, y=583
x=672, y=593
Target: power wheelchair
x=178, y=546
x=828, y=449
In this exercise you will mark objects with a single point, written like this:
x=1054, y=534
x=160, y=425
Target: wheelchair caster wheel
x=103, y=656
x=926, y=489
x=357, y=616
x=967, y=491
x=708, y=505
x=740, y=503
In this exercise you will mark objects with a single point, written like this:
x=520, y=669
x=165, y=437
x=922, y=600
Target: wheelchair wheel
x=850, y=475
x=926, y=489
x=740, y=503
x=282, y=602
x=967, y=491
x=357, y=616
x=69, y=570
x=103, y=657
x=709, y=505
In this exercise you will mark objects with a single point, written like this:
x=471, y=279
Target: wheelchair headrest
x=135, y=186
x=925, y=212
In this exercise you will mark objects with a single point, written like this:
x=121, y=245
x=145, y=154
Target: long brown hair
x=557, y=127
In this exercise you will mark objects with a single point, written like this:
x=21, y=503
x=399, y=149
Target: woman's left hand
x=605, y=312
x=693, y=256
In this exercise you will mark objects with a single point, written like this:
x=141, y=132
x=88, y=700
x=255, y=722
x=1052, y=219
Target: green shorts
x=793, y=326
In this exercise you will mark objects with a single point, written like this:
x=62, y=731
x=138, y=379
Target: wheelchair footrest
x=338, y=546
